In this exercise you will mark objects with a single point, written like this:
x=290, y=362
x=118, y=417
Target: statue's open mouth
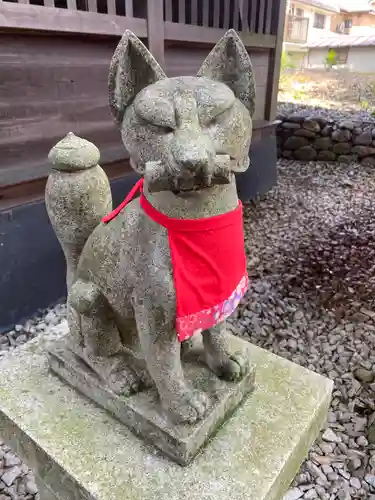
x=160, y=179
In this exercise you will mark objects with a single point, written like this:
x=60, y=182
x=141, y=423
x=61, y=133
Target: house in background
x=355, y=18
x=306, y=21
x=356, y=53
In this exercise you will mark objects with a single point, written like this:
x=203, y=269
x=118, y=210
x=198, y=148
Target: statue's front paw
x=187, y=407
x=227, y=363
x=231, y=367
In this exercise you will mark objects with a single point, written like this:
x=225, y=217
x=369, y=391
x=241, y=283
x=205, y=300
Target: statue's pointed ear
x=229, y=62
x=132, y=68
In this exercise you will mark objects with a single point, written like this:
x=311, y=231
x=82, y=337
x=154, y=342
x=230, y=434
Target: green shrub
x=331, y=59
x=286, y=62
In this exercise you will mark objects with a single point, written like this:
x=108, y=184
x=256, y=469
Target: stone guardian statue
x=151, y=283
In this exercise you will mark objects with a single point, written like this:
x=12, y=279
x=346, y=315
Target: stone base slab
x=79, y=452
x=142, y=413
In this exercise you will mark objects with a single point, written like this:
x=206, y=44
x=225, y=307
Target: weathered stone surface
x=346, y=124
x=323, y=143
x=77, y=196
x=311, y=124
x=341, y=135
x=306, y=153
x=302, y=132
x=357, y=130
x=321, y=121
x=364, y=139
x=82, y=453
x=371, y=434
x=122, y=298
x=346, y=159
x=73, y=154
x=296, y=118
x=141, y=411
x=342, y=148
x=362, y=151
x=293, y=143
x=287, y=154
x=291, y=125
x=326, y=155
x=327, y=131
x=368, y=161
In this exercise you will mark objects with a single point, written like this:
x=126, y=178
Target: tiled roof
x=342, y=41
x=330, y=5
x=356, y=6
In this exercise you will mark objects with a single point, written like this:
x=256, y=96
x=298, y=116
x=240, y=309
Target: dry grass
x=330, y=89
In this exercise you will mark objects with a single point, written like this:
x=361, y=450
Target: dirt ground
x=329, y=89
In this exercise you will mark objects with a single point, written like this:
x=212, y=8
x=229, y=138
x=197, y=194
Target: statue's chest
x=205, y=258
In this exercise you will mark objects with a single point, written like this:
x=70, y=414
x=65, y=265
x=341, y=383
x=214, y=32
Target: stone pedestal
x=80, y=452
x=142, y=412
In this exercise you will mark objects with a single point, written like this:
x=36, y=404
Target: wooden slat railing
x=111, y=7
x=260, y=23
x=254, y=16
x=245, y=16
x=88, y=17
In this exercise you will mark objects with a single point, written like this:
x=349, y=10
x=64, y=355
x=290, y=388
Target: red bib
x=208, y=262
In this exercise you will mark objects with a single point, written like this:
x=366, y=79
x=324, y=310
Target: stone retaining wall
x=316, y=138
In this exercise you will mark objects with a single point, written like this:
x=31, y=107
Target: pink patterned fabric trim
x=196, y=323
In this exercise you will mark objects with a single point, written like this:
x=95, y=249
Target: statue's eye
x=166, y=130
x=162, y=129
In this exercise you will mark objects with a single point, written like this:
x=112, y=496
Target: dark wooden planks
x=253, y=16
x=186, y=61
x=201, y=34
x=34, y=17
x=236, y=14
x=226, y=14
x=194, y=11
x=93, y=6
x=155, y=29
x=129, y=8
x=168, y=10
x=278, y=24
x=268, y=14
x=72, y=4
x=28, y=192
x=205, y=12
x=216, y=16
x=52, y=85
x=261, y=13
x=245, y=15
x=111, y=7
x=182, y=11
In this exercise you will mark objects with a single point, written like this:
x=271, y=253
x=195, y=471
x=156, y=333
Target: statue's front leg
x=220, y=357
x=162, y=351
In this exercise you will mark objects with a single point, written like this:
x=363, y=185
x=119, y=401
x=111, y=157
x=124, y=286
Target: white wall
x=316, y=33
x=362, y=59
x=298, y=59
x=362, y=30
x=316, y=58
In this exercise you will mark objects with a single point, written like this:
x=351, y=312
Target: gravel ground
x=311, y=247
x=288, y=108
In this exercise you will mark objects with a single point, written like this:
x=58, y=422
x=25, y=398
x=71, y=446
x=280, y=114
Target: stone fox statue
x=170, y=263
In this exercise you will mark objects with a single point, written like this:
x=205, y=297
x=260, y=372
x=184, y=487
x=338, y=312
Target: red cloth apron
x=208, y=262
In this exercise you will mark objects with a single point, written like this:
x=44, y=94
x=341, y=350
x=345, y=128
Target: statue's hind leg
x=99, y=343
